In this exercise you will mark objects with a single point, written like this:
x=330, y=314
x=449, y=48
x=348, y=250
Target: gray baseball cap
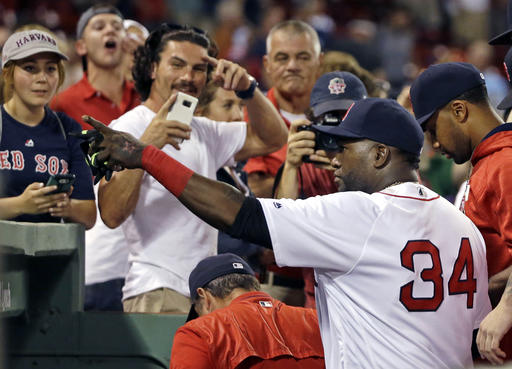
x=27, y=43
x=91, y=12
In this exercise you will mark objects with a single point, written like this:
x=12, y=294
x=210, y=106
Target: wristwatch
x=249, y=93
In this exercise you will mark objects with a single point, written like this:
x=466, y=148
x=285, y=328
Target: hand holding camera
x=317, y=142
x=301, y=142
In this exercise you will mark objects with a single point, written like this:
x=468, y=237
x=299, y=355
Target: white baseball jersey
x=401, y=275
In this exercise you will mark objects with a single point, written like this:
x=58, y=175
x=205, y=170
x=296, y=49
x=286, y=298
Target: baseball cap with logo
x=23, y=44
x=379, y=120
x=506, y=103
x=211, y=268
x=91, y=12
x=439, y=84
x=336, y=91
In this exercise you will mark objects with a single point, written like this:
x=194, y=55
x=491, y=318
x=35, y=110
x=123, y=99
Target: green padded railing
x=41, y=317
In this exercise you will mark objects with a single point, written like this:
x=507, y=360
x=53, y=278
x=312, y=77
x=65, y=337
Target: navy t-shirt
x=32, y=154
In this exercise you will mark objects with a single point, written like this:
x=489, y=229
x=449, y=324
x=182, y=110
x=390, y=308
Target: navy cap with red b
x=439, y=84
x=379, y=120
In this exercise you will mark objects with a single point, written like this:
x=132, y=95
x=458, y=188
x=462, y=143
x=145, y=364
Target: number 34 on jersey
x=461, y=275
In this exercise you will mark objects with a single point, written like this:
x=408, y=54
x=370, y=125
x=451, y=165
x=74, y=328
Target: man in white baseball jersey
x=401, y=274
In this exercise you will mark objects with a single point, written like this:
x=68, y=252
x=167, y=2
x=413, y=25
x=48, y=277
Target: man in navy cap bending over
x=241, y=327
x=392, y=285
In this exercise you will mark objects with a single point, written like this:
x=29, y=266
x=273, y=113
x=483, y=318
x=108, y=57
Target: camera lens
x=326, y=142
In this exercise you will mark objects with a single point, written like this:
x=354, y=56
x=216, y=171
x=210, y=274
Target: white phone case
x=183, y=109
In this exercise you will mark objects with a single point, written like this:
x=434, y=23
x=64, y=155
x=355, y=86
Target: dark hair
x=477, y=95
x=222, y=286
x=148, y=54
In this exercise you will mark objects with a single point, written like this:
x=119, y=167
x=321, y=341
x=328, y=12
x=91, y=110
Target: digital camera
x=323, y=141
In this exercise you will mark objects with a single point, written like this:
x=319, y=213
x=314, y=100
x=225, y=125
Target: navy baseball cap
x=504, y=38
x=211, y=268
x=380, y=120
x=439, y=84
x=336, y=91
x=506, y=103
x=91, y=12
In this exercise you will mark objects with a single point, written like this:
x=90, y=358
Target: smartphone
x=62, y=181
x=183, y=109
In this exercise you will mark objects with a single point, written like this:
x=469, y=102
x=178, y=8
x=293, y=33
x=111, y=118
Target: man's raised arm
x=266, y=131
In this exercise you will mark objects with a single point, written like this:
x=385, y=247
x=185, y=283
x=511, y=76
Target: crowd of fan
x=262, y=75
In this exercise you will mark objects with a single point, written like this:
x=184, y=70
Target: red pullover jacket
x=254, y=331
x=489, y=203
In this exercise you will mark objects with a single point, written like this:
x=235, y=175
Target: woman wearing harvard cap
x=35, y=141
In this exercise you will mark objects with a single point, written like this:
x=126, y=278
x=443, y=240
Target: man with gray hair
x=292, y=63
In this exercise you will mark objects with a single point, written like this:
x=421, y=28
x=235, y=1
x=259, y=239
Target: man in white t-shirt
x=165, y=239
x=401, y=274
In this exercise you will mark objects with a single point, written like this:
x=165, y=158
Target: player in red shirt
x=267, y=333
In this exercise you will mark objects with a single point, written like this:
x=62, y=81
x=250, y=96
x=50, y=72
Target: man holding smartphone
x=166, y=241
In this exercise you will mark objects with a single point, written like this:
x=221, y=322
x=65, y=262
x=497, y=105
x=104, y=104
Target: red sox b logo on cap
x=337, y=86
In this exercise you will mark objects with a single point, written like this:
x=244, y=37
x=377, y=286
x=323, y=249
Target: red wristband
x=169, y=172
